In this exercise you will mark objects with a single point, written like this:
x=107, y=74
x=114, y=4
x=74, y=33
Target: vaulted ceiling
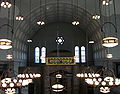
x=52, y=11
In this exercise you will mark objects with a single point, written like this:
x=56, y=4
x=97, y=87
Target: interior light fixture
x=29, y=40
x=28, y=74
x=87, y=73
x=9, y=56
x=75, y=23
x=110, y=42
x=10, y=91
x=57, y=87
x=96, y=17
x=104, y=89
x=60, y=40
x=5, y=44
x=58, y=76
x=40, y=22
x=19, y=18
x=91, y=42
x=109, y=56
x=6, y=4
x=107, y=79
x=106, y=2
x=9, y=82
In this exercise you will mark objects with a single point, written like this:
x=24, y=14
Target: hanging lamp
x=6, y=3
x=96, y=15
x=56, y=81
x=109, y=41
x=40, y=21
x=6, y=43
x=20, y=17
x=108, y=27
x=9, y=82
x=106, y=80
x=75, y=20
x=87, y=72
x=28, y=73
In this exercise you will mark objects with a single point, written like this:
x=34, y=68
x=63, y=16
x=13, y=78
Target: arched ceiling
x=52, y=12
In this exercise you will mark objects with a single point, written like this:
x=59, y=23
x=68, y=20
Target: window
x=83, y=58
x=43, y=54
x=76, y=54
x=37, y=55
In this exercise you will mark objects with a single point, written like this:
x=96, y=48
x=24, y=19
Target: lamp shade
x=5, y=44
x=6, y=40
x=110, y=42
x=57, y=87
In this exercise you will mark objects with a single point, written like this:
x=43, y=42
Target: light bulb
x=96, y=83
x=103, y=83
x=110, y=83
x=4, y=85
x=99, y=79
x=11, y=84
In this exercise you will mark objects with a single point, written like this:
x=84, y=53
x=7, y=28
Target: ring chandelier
x=87, y=73
x=28, y=74
x=106, y=80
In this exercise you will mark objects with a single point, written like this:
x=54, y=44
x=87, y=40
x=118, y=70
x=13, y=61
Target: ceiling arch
x=50, y=14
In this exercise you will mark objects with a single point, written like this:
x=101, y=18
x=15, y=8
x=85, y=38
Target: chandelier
x=28, y=74
x=60, y=40
x=58, y=76
x=109, y=55
x=75, y=22
x=106, y=2
x=6, y=43
x=96, y=17
x=40, y=22
x=6, y=4
x=110, y=42
x=19, y=18
x=9, y=56
x=87, y=73
x=106, y=80
x=57, y=87
x=10, y=91
x=9, y=82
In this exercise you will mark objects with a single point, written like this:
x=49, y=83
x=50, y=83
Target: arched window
x=76, y=54
x=83, y=57
x=43, y=54
x=37, y=55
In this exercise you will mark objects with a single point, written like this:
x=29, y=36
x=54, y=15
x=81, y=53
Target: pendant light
x=20, y=17
x=96, y=16
x=106, y=80
x=108, y=27
x=87, y=71
x=6, y=43
x=56, y=81
x=75, y=20
x=28, y=73
x=110, y=41
x=7, y=31
x=6, y=3
x=41, y=22
x=106, y=2
x=9, y=82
